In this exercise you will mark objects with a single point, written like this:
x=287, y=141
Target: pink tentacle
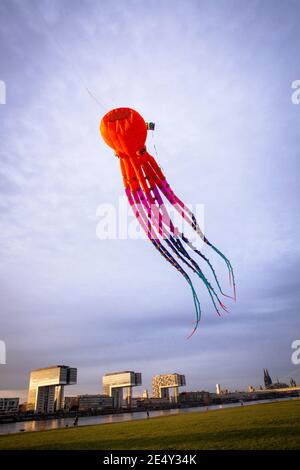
x=136, y=206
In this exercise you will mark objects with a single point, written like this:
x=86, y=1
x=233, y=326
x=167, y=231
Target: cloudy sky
x=215, y=77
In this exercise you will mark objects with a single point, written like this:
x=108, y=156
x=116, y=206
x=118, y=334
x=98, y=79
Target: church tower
x=267, y=378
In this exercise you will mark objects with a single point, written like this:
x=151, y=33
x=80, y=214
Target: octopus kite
x=125, y=131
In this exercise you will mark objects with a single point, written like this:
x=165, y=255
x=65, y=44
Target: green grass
x=261, y=426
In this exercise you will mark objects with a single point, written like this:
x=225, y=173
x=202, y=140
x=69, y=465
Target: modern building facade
x=9, y=405
x=153, y=403
x=92, y=403
x=161, y=385
x=114, y=384
x=195, y=398
x=46, y=388
x=71, y=403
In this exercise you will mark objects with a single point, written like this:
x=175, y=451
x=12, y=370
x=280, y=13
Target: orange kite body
x=125, y=131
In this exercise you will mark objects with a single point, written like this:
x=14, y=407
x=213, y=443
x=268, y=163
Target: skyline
x=23, y=396
x=216, y=79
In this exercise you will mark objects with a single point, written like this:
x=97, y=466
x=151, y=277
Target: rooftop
x=51, y=367
x=121, y=372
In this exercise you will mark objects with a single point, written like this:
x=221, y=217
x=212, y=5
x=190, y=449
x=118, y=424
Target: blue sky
x=215, y=77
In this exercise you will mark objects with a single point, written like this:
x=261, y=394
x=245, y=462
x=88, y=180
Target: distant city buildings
x=88, y=403
x=71, y=404
x=183, y=398
x=269, y=385
x=161, y=385
x=293, y=383
x=46, y=393
x=92, y=403
x=114, y=384
x=46, y=388
x=9, y=406
x=152, y=403
x=194, y=398
x=220, y=391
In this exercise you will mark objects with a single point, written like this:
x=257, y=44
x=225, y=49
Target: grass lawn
x=262, y=426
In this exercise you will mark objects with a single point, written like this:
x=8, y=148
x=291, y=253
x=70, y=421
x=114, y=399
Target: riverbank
x=116, y=417
x=260, y=426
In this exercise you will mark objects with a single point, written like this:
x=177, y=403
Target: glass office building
x=115, y=382
x=46, y=388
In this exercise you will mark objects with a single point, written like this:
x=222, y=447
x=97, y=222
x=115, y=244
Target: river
x=43, y=425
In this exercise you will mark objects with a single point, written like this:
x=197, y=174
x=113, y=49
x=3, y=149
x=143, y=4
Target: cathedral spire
x=267, y=378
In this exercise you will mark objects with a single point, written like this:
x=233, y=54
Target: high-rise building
x=161, y=385
x=46, y=388
x=114, y=383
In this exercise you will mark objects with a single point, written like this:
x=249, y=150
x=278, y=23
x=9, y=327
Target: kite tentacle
x=175, y=231
x=202, y=276
x=172, y=260
x=149, y=202
x=154, y=204
x=137, y=207
x=190, y=244
x=183, y=210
